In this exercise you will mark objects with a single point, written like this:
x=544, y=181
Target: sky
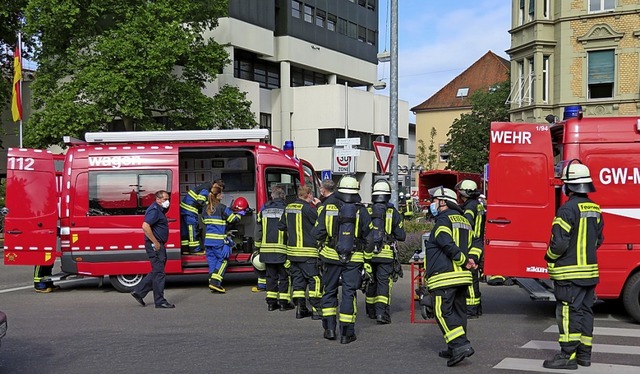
x=439, y=39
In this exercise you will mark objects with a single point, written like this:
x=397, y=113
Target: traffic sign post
x=384, y=152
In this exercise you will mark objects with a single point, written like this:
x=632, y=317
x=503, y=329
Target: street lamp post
x=393, y=102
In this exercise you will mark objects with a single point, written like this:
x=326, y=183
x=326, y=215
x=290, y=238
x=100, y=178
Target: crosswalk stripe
x=536, y=365
x=609, y=331
x=600, y=348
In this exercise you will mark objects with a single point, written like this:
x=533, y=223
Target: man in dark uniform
x=297, y=222
x=273, y=251
x=156, y=231
x=576, y=234
x=474, y=212
x=447, y=264
x=338, y=265
x=391, y=228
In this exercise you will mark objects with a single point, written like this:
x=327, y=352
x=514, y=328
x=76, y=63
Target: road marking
x=536, y=365
x=600, y=348
x=31, y=287
x=609, y=331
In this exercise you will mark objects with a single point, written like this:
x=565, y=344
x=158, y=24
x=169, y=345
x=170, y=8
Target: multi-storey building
x=574, y=52
x=309, y=67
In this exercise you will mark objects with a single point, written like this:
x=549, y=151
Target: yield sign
x=384, y=151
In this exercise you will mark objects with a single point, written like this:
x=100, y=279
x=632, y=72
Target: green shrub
x=415, y=229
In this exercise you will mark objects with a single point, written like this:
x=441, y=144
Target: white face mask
x=165, y=204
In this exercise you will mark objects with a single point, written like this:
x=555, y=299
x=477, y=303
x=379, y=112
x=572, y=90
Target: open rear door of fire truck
x=31, y=215
x=520, y=198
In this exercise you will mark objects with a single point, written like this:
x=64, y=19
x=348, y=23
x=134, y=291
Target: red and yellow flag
x=16, y=101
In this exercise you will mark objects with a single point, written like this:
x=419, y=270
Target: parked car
x=3, y=326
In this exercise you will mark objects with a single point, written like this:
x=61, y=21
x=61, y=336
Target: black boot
x=272, y=305
x=346, y=335
x=329, y=332
x=583, y=355
x=285, y=305
x=459, y=354
x=301, y=309
x=561, y=361
x=383, y=320
x=371, y=311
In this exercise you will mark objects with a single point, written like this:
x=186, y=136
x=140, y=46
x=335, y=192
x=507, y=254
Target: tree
x=427, y=157
x=128, y=64
x=468, y=138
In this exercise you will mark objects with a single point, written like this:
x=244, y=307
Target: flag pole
x=20, y=85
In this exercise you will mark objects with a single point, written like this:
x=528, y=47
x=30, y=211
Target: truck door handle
x=171, y=219
x=14, y=232
x=499, y=221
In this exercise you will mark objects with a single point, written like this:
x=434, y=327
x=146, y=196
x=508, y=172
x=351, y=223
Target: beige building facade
x=574, y=52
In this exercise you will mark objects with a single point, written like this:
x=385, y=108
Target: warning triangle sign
x=384, y=151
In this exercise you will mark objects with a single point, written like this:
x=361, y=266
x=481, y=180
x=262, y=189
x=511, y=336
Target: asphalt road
x=88, y=328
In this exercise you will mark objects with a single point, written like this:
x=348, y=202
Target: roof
x=487, y=71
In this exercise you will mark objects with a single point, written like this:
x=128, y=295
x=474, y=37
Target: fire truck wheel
x=125, y=283
x=631, y=296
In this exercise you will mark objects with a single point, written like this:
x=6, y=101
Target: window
x=371, y=37
x=295, y=8
x=444, y=156
x=521, y=13
x=327, y=137
x=125, y=192
x=545, y=79
x=249, y=67
x=265, y=122
x=331, y=22
x=342, y=26
x=521, y=78
x=601, y=5
x=352, y=30
x=289, y=180
x=362, y=34
x=308, y=14
x=531, y=81
x=321, y=15
x=545, y=8
x=601, y=74
x=463, y=92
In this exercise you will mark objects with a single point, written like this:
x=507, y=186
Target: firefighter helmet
x=256, y=262
x=445, y=194
x=348, y=185
x=577, y=177
x=467, y=188
x=381, y=192
x=240, y=203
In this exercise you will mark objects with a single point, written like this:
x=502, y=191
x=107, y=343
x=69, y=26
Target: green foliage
x=468, y=143
x=128, y=64
x=427, y=157
x=415, y=229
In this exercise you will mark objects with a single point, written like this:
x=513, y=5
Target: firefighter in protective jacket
x=297, y=223
x=190, y=208
x=384, y=255
x=273, y=251
x=447, y=264
x=576, y=234
x=474, y=212
x=343, y=226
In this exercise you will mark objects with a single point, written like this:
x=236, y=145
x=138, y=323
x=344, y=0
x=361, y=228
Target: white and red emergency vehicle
x=524, y=193
x=109, y=180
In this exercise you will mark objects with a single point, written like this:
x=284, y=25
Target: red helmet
x=240, y=203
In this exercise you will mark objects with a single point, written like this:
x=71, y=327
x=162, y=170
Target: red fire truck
x=526, y=161
x=445, y=178
x=109, y=180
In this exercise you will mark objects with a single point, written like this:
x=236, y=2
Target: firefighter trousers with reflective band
x=189, y=229
x=278, y=284
x=40, y=272
x=450, y=309
x=262, y=278
x=217, y=260
x=473, y=294
x=351, y=280
x=305, y=274
x=574, y=315
x=379, y=293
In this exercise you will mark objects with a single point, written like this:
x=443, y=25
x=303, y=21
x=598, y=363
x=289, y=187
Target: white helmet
x=445, y=194
x=255, y=261
x=348, y=185
x=381, y=192
x=467, y=188
x=577, y=177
